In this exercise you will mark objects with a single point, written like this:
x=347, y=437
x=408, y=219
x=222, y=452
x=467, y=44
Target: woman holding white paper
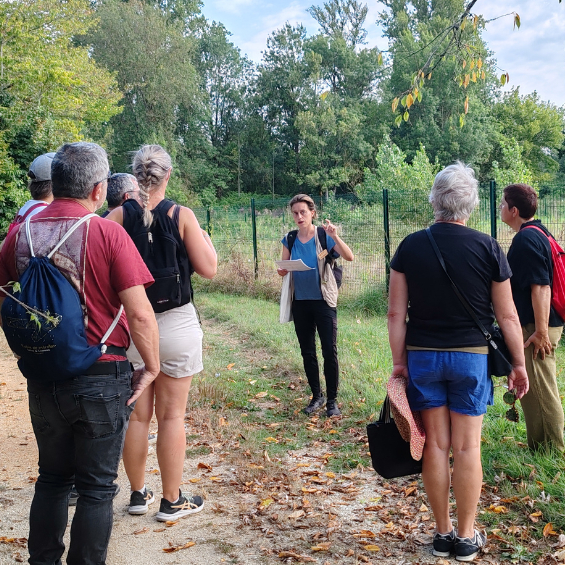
x=313, y=304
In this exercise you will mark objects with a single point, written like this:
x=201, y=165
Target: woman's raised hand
x=330, y=229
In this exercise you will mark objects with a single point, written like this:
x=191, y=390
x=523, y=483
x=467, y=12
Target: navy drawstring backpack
x=43, y=323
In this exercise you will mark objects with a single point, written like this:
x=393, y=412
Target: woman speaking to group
x=310, y=309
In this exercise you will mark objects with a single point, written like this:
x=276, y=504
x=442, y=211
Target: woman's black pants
x=309, y=316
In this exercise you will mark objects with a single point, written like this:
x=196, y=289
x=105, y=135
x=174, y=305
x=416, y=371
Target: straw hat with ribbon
x=409, y=423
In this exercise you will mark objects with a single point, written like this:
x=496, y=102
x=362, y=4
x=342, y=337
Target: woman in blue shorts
x=438, y=347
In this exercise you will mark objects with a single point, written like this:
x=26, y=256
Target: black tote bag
x=390, y=454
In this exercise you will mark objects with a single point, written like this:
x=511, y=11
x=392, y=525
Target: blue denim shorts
x=454, y=379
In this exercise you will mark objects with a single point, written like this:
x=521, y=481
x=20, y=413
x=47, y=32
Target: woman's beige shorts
x=180, y=343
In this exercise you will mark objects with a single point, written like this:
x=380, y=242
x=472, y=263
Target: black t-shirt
x=436, y=317
x=530, y=259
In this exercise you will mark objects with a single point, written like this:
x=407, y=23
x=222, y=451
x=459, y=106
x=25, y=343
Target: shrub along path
x=279, y=487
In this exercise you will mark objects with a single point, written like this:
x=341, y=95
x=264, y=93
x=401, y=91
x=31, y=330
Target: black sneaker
x=466, y=549
x=315, y=405
x=139, y=502
x=332, y=409
x=73, y=497
x=444, y=544
x=182, y=507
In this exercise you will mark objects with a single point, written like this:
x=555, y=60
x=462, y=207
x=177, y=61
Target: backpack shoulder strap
x=290, y=239
x=164, y=206
x=176, y=215
x=322, y=237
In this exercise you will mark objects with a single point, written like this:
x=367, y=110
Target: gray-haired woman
x=444, y=355
x=180, y=337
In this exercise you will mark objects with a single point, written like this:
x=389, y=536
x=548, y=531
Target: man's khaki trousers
x=542, y=405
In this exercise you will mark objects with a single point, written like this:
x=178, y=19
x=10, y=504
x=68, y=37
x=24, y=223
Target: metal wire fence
x=252, y=234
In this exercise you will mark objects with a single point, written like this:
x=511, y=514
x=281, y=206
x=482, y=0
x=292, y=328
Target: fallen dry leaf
x=222, y=421
x=261, y=394
x=372, y=547
x=141, y=531
x=423, y=508
x=548, y=530
x=171, y=523
x=365, y=534
x=560, y=555
x=174, y=548
x=296, y=556
x=321, y=546
x=195, y=480
x=230, y=366
x=266, y=502
x=159, y=530
x=296, y=514
x=20, y=542
x=204, y=466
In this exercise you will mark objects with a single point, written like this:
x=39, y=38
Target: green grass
x=253, y=388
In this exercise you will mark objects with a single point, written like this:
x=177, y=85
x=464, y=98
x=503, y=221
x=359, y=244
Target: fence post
x=254, y=228
x=493, y=208
x=387, y=235
x=209, y=225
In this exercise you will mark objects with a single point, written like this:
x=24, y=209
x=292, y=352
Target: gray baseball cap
x=40, y=169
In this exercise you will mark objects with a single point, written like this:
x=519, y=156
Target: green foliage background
x=314, y=115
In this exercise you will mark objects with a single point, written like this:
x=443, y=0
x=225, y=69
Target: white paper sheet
x=293, y=265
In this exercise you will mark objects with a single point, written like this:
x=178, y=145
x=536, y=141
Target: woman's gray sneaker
x=444, y=544
x=315, y=405
x=332, y=409
x=182, y=507
x=466, y=549
x=139, y=501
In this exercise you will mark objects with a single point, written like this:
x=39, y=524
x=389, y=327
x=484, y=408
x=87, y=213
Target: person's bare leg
x=435, y=464
x=171, y=396
x=467, y=469
x=136, y=443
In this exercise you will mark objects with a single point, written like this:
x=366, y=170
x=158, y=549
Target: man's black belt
x=110, y=367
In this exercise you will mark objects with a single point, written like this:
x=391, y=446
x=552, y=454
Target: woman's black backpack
x=164, y=253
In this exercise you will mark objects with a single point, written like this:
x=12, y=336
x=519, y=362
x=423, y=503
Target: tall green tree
x=538, y=128
x=153, y=59
x=452, y=116
x=51, y=90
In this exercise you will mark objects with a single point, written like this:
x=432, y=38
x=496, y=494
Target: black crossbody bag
x=498, y=353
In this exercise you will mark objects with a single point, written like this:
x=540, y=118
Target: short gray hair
x=455, y=193
x=77, y=168
x=118, y=185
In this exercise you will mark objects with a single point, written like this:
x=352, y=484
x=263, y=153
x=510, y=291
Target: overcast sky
x=534, y=55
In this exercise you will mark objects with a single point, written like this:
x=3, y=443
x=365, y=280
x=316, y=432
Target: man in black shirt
x=532, y=277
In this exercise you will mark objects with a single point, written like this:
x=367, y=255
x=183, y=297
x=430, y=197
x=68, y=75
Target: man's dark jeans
x=80, y=427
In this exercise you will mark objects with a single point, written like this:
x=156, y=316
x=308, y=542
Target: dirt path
x=293, y=510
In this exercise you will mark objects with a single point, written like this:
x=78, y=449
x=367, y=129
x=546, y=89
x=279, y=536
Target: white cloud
x=253, y=46
x=534, y=54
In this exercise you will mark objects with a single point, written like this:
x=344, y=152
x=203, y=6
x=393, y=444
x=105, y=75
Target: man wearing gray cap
x=40, y=187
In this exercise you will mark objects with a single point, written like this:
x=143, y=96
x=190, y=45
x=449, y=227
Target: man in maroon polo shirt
x=80, y=423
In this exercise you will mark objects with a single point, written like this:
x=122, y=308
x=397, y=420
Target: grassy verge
x=253, y=390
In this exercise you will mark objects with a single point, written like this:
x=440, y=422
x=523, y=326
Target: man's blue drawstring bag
x=43, y=323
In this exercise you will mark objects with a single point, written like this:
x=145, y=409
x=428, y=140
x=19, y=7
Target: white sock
x=142, y=491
